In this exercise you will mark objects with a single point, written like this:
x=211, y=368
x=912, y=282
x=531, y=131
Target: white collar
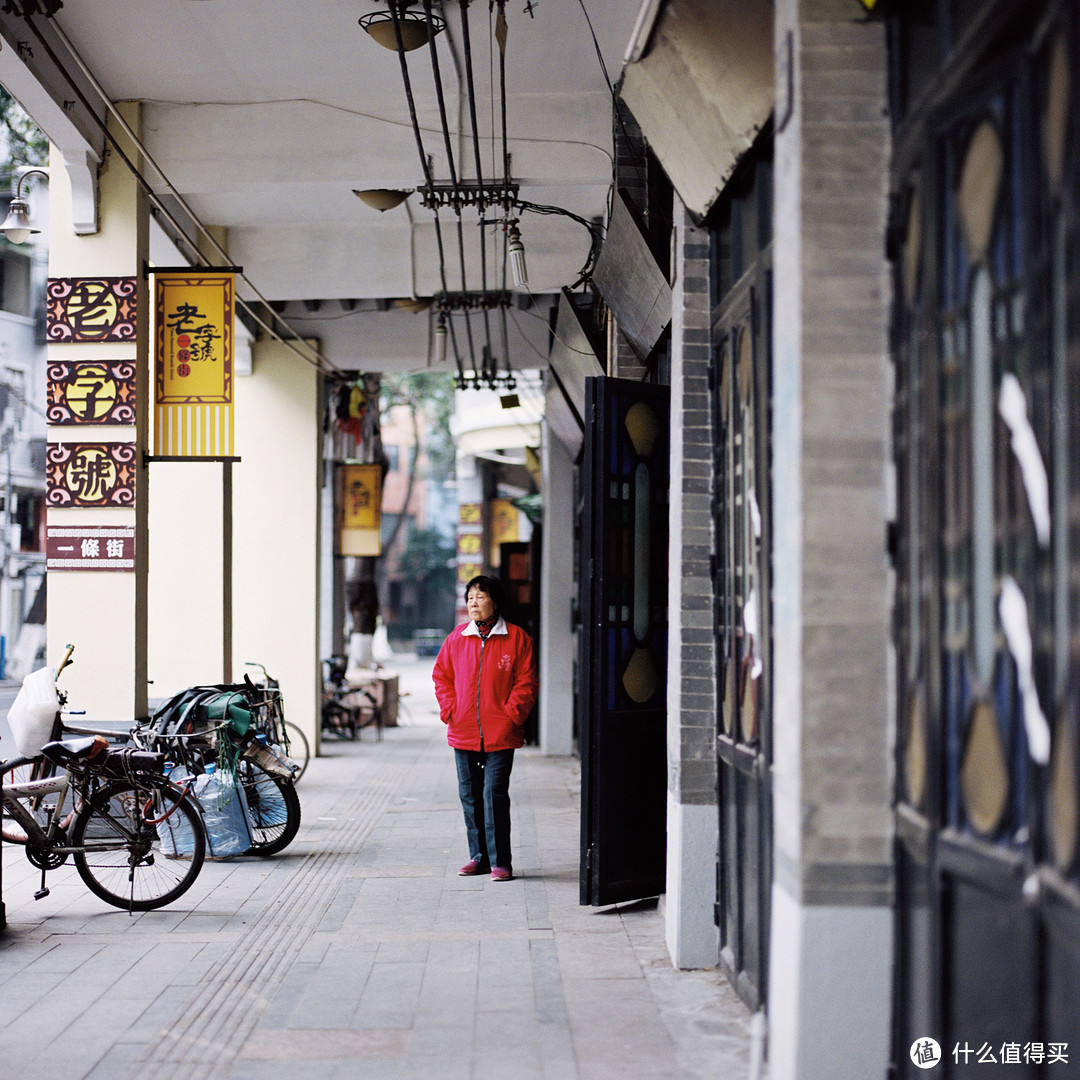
x=472, y=630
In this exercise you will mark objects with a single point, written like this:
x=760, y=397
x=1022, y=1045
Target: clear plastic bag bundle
x=225, y=813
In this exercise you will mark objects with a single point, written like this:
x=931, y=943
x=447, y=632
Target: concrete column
x=277, y=525
x=558, y=643
x=104, y=614
x=693, y=822
x=831, y=923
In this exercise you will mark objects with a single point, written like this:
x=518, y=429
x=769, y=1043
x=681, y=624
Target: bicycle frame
x=35, y=834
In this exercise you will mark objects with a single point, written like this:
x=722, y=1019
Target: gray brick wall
x=692, y=706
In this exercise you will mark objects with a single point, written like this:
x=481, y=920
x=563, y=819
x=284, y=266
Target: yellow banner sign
x=193, y=369
x=360, y=503
x=504, y=526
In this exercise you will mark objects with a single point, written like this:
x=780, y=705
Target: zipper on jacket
x=479, y=670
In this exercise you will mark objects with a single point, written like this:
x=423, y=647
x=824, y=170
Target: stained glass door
x=988, y=563
x=624, y=641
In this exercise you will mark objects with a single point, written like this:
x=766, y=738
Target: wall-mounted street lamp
x=17, y=226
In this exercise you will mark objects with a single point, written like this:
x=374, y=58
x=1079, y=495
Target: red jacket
x=486, y=687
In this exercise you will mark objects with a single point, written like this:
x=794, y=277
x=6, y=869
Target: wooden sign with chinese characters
x=360, y=503
x=91, y=392
x=90, y=309
x=90, y=547
x=193, y=364
x=90, y=474
x=467, y=571
x=470, y=541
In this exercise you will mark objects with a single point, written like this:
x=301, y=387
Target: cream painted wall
x=275, y=544
x=185, y=626
x=276, y=527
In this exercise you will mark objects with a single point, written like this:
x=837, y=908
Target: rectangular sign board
x=89, y=547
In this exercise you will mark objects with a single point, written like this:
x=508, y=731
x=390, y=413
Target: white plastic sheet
x=1012, y=405
x=33, y=711
x=1012, y=607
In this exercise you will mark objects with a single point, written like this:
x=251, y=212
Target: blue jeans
x=484, y=789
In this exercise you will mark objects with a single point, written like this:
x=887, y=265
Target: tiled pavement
x=359, y=952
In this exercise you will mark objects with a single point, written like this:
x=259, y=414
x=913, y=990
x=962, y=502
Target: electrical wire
x=595, y=234
x=441, y=98
x=389, y=121
x=466, y=40
x=425, y=166
x=596, y=45
x=318, y=361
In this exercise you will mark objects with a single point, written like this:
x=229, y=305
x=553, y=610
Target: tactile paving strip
x=207, y=1033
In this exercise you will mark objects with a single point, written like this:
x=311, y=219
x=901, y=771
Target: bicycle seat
x=75, y=751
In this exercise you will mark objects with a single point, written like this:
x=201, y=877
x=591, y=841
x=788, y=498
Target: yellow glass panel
x=641, y=679
x=643, y=427
x=977, y=194
x=915, y=752
x=746, y=365
x=984, y=776
x=1064, y=801
x=728, y=715
x=913, y=244
x=1056, y=113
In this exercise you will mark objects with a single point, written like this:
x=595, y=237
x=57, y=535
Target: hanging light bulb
x=440, y=339
x=515, y=250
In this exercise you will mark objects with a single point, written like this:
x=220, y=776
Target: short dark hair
x=487, y=584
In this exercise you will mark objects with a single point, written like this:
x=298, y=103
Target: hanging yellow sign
x=193, y=364
x=504, y=527
x=360, y=509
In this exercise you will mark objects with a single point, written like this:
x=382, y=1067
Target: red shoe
x=472, y=867
x=499, y=874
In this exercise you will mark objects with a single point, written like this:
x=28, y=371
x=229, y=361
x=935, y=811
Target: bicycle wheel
x=142, y=846
x=273, y=808
x=296, y=747
x=21, y=770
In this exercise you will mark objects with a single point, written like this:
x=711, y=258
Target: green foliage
x=23, y=141
x=430, y=396
x=427, y=559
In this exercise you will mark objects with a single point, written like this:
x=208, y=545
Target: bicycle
x=217, y=724
x=270, y=721
x=136, y=837
x=347, y=708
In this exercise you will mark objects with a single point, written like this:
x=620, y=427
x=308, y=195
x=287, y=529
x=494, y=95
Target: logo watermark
x=926, y=1053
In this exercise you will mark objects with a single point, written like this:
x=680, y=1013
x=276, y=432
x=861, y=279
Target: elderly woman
x=486, y=686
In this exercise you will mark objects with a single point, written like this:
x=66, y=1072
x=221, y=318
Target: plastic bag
x=225, y=813
x=175, y=831
x=33, y=712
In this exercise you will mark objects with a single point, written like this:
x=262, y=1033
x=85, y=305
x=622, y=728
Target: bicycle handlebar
x=67, y=660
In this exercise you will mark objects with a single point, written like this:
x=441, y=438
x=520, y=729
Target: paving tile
x=360, y=953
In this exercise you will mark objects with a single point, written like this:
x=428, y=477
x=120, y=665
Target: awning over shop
x=631, y=282
x=571, y=361
x=699, y=81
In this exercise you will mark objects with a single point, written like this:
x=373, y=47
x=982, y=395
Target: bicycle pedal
x=41, y=894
